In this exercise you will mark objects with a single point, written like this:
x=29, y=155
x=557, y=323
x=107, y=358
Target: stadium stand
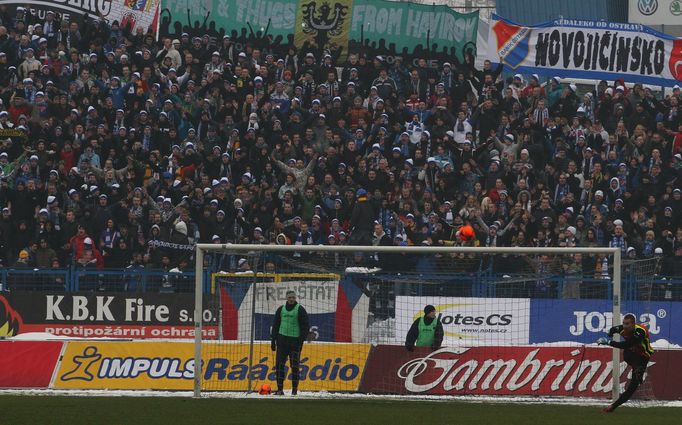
x=120, y=152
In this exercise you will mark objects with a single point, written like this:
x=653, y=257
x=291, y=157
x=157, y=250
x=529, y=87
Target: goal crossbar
x=201, y=249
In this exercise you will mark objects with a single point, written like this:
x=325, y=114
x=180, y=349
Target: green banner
x=410, y=25
x=376, y=26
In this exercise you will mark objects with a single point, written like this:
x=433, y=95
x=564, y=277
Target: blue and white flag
x=571, y=48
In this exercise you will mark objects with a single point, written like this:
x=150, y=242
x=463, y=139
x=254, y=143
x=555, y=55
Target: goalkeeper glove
x=603, y=341
x=273, y=345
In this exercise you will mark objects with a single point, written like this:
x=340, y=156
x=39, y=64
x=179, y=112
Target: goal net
x=514, y=321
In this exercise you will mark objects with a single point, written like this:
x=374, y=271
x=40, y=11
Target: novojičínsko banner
x=571, y=48
x=377, y=26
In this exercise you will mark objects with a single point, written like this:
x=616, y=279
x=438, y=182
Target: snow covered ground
x=344, y=396
x=379, y=332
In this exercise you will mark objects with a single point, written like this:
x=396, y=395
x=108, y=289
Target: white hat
x=571, y=229
x=87, y=241
x=241, y=261
x=215, y=237
x=618, y=222
x=51, y=199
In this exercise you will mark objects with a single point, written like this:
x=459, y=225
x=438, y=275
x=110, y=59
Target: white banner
x=129, y=13
x=587, y=49
x=316, y=296
x=469, y=321
x=655, y=12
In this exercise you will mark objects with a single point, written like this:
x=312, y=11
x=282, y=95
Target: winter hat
x=181, y=227
x=429, y=308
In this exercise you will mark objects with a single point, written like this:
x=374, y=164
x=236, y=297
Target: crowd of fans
x=117, y=150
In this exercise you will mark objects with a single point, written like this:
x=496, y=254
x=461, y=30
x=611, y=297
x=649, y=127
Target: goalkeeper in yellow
x=289, y=331
x=426, y=331
x=637, y=351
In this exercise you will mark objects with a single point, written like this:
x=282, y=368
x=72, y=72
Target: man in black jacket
x=362, y=220
x=289, y=331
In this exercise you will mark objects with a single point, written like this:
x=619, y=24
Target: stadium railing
x=480, y=283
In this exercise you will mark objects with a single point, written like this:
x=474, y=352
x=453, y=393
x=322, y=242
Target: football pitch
x=69, y=410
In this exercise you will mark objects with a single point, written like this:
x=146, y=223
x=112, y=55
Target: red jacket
x=78, y=246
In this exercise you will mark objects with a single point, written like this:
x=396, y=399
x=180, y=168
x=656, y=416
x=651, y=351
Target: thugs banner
x=376, y=27
x=587, y=49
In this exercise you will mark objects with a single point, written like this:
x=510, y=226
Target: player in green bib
x=289, y=331
x=426, y=331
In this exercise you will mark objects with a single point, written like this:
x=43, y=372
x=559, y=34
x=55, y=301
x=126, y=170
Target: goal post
x=448, y=258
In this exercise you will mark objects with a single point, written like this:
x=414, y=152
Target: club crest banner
x=587, y=49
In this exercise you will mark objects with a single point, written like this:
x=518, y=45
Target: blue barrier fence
x=110, y=280
x=477, y=284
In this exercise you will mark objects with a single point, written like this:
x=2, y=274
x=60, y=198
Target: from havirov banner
x=587, y=49
x=375, y=27
x=132, y=13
